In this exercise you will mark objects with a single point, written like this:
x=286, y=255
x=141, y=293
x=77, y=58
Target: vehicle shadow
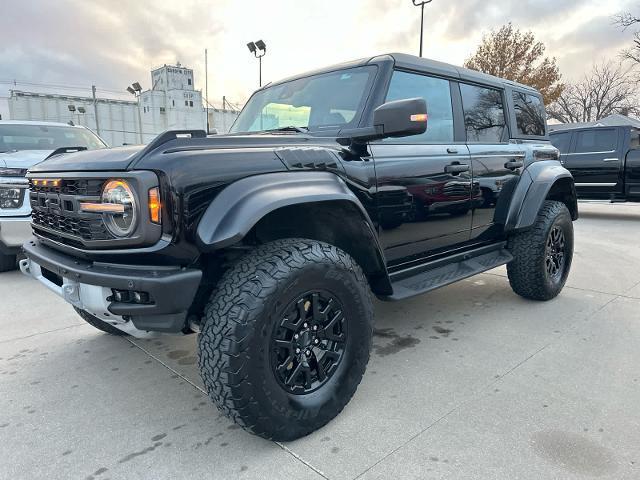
x=624, y=217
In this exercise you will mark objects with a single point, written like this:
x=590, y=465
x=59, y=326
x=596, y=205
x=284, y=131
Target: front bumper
x=89, y=286
x=14, y=231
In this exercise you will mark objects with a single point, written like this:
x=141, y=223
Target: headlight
x=120, y=222
x=12, y=172
x=11, y=197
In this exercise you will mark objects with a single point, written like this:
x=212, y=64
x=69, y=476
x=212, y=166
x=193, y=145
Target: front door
x=595, y=160
x=424, y=182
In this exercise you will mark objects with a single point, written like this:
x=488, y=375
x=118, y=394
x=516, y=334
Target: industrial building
x=171, y=103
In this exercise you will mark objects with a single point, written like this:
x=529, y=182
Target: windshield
x=319, y=102
x=42, y=137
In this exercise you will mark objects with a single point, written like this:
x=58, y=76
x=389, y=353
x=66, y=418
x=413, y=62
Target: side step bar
x=411, y=282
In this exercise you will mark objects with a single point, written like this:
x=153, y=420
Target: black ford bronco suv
x=390, y=176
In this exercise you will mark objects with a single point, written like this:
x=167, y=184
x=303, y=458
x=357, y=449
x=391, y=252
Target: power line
x=55, y=85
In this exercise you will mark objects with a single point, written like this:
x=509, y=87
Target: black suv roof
x=411, y=62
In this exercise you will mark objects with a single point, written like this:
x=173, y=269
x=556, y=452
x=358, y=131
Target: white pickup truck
x=22, y=145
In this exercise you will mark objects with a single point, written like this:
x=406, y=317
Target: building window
x=191, y=103
x=173, y=103
x=161, y=109
x=188, y=81
x=186, y=103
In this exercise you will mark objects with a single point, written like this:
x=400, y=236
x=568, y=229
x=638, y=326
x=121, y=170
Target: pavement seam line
x=481, y=391
x=283, y=447
x=580, y=289
x=168, y=367
x=43, y=333
x=301, y=460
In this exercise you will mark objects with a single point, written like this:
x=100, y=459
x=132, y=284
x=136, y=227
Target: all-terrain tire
x=244, y=316
x=528, y=273
x=99, y=324
x=7, y=262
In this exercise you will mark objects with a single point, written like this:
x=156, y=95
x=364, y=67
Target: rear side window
x=596, y=140
x=561, y=141
x=437, y=94
x=483, y=114
x=530, y=116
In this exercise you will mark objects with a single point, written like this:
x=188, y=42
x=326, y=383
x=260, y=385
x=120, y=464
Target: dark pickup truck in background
x=604, y=161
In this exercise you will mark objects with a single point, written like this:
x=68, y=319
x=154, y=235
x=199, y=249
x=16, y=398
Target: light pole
x=259, y=49
x=135, y=89
x=421, y=4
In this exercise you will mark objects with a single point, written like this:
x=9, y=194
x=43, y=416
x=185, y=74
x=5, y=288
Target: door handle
x=611, y=160
x=456, y=168
x=452, y=150
x=513, y=164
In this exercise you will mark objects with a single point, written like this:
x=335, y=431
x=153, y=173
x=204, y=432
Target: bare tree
x=609, y=88
x=625, y=21
x=509, y=53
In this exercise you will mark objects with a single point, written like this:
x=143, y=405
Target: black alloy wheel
x=309, y=342
x=555, y=251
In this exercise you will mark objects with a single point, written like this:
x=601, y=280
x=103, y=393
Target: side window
x=437, y=94
x=596, y=140
x=562, y=141
x=530, y=115
x=483, y=114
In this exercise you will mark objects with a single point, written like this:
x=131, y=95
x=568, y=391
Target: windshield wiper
x=289, y=128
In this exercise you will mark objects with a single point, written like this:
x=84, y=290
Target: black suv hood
x=90, y=160
x=151, y=157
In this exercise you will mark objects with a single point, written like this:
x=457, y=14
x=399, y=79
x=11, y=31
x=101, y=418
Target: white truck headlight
x=11, y=197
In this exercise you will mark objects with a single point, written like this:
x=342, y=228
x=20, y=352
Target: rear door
x=424, y=181
x=496, y=162
x=595, y=160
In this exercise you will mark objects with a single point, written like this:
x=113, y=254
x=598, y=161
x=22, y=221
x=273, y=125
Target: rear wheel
x=286, y=337
x=99, y=324
x=542, y=254
x=7, y=262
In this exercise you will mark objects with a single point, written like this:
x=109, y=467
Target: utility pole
x=421, y=4
x=206, y=86
x=95, y=108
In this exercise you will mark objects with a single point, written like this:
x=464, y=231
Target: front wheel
x=286, y=337
x=542, y=254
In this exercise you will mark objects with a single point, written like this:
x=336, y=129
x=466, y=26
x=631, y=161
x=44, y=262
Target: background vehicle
x=22, y=145
x=269, y=243
x=604, y=160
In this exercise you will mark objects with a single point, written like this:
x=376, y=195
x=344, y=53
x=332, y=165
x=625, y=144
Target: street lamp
x=72, y=109
x=259, y=49
x=135, y=89
x=421, y=4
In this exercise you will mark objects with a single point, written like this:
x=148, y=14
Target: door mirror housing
x=399, y=118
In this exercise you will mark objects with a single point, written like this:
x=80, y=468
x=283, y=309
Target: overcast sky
x=111, y=43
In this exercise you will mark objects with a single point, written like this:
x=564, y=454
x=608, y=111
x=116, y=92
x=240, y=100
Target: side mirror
x=400, y=118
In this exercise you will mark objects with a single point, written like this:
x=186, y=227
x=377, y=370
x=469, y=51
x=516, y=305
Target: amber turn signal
x=154, y=205
x=419, y=117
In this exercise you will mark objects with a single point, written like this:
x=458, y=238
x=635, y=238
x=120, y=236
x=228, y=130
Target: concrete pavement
x=469, y=381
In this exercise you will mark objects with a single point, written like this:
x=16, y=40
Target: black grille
x=85, y=229
x=84, y=187
x=56, y=211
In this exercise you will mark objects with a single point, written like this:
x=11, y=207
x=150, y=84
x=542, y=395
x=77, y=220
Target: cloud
x=111, y=43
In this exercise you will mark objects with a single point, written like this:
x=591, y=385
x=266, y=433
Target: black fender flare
x=237, y=208
x=532, y=190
